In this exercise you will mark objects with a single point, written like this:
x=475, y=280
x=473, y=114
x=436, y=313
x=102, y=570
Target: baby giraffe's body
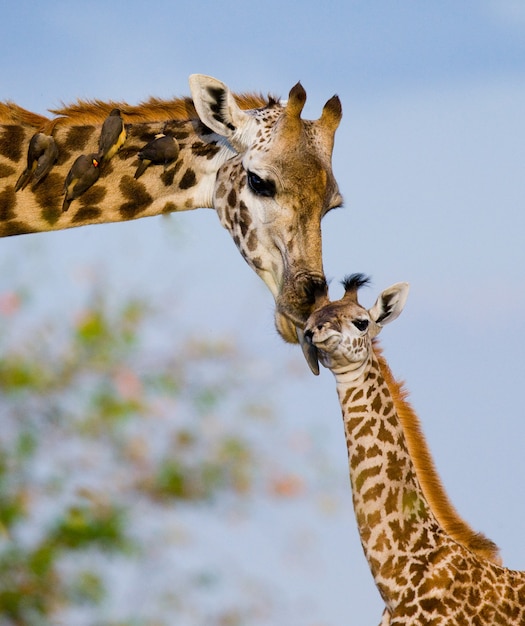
x=429, y=566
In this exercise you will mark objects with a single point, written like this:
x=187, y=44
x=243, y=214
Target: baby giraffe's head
x=339, y=334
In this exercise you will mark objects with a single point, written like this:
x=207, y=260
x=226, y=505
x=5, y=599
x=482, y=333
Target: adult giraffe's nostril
x=308, y=335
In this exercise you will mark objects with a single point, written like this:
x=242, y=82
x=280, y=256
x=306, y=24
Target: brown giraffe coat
x=266, y=171
x=424, y=574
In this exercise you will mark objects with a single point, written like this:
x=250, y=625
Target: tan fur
x=427, y=474
x=93, y=112
x=153, y=110
x=11, y=113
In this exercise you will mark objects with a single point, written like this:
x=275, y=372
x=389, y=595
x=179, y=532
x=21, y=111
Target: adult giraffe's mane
x=11, y=113
x=427, y=474
x=92, y=112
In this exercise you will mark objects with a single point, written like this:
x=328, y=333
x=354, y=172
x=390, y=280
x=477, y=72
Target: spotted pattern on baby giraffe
x=424, y=575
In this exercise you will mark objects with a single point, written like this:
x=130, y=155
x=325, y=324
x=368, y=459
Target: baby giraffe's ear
x=389, y=304
x=310, y=352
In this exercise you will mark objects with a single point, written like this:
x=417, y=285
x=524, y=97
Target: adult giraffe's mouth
x=296, y=302
x=287, y=328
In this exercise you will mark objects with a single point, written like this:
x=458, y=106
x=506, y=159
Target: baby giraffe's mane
x=93, y=112
x=427, y=474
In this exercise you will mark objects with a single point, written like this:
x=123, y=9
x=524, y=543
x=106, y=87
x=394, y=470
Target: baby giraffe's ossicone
x=339, y=333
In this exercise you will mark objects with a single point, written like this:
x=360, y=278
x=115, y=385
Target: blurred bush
x=95, y=422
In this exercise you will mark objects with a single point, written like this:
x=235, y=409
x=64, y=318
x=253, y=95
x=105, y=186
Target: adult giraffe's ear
x=389, y=304
x=216, y=106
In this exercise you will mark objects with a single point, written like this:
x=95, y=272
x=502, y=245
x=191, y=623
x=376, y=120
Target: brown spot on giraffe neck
x=357, y=458
x=180, y=135
x=382, y=543
x=168, y=175
x=366, y=429
x=220, y=191
x=15, y=227
x=49, y=197
x=86, y=214
x=245, y=219
x=7, y=204
x=377, y=404
x=232, y=198
x=257, y=261
x=207, y=150
x=142, y=132
x=106, y=170
x=353, y=423
x=396, y=466
x=11, y=142
x=391, y=501
x=368, y=472
x=93, y=196
x=169, y=207
x=77, y=138
x=384, y=434
x=189, y=179
x=6, y=170
x=177, y=129
x=138, y=198
x=252, y=241
x=374, y=493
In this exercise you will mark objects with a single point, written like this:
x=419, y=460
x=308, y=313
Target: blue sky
x=123, y=49
x=430, y=159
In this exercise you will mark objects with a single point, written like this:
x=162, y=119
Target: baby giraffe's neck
x=396, y=524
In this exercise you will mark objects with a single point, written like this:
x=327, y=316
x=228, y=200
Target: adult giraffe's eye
x=259, y=186
x=361, y=325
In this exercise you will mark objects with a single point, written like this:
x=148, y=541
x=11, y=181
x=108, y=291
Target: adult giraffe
x=429, y=566
x=265, y=170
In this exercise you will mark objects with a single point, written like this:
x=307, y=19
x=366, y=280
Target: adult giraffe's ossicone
x=265, y=170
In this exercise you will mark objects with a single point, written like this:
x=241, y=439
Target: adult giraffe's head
x=272, y=194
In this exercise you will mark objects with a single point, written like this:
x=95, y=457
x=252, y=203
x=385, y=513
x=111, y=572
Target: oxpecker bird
x=160, y=151
x=112, y=136
x=41, y=156
x=83, y=173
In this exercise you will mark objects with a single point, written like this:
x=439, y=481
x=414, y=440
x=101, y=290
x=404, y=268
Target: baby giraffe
x=425, y=570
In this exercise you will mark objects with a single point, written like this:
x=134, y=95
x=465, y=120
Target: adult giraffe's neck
x=117, y=196
x=394, y=519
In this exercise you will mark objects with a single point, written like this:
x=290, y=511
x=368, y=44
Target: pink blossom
x=10, y=303
x=128, y=384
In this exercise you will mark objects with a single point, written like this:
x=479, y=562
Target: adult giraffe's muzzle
x=295, y=303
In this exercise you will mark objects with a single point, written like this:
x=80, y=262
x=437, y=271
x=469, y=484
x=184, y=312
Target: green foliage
x=227, y=466
x=29, y=584
x=84, y=526
x=76, y=396
x=88, y=588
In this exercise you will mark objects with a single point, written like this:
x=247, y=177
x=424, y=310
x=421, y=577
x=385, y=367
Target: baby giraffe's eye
x=360, y=324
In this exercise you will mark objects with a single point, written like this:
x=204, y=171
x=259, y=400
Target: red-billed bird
x=83, y=173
